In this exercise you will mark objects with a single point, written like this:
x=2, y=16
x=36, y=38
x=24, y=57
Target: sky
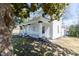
x=71, y=14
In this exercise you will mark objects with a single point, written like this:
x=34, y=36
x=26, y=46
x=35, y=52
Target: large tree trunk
x=6, y=48
x=6, y=27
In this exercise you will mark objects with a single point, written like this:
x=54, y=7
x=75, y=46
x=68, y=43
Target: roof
x=35, y=20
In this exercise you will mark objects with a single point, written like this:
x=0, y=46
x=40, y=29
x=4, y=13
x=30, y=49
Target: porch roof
x=36, y=20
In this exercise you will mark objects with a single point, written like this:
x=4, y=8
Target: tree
x=20, y=9
x=23, y=9
x=6, y=26
x=55, y=10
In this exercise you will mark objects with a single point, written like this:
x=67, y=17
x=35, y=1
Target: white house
x=40, y=27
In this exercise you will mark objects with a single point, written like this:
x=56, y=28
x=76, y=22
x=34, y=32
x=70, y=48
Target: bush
x=74, y=31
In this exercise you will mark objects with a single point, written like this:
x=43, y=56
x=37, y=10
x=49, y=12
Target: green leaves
x=21, y=9
x=33, y=7
x=54, y=9
x=74, y=31
x=23, y=13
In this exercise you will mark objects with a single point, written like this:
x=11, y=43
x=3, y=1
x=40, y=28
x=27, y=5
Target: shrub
x=74, y=31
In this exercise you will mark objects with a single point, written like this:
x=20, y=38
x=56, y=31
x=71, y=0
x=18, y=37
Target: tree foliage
x=54, y=9
x=74, y=31
x=22, y=9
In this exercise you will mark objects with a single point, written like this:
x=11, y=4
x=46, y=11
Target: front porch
x=38, y=29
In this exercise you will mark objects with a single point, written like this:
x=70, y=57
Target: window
x=21, y=27
x=43, y=29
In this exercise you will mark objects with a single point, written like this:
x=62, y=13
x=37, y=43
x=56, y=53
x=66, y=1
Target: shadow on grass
x=29, y=46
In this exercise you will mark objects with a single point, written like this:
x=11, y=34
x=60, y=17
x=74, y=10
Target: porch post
x=40, y=29
x=28, y=29
x=51, y=30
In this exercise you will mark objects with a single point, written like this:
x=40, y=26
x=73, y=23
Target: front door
x=43, y=29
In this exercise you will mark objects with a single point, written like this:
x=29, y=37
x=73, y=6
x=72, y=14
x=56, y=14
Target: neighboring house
x=40, y=27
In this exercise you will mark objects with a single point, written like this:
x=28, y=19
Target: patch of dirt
x=69, y=43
